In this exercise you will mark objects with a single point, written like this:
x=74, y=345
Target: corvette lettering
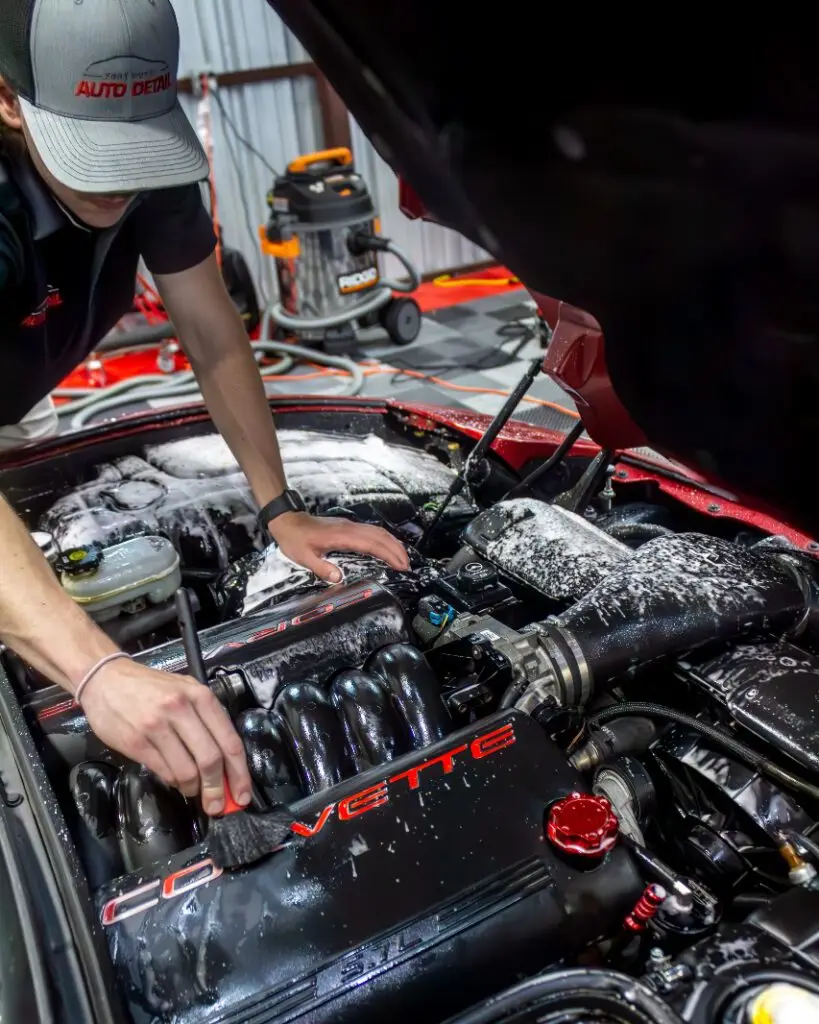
x=325, y=608
x=151, y=894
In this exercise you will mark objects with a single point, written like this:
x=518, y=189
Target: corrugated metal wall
x=281, y=119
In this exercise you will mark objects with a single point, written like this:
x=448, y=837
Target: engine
x=574, y=739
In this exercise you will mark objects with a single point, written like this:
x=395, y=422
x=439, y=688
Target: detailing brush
x=236, y=837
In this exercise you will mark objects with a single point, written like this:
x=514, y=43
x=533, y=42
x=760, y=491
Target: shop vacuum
x=323, y=234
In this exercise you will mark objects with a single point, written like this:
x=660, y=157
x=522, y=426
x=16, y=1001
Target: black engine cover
x=770, y=689
x=408, y=892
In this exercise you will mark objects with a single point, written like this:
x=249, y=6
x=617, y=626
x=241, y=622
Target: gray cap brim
x=117, y=156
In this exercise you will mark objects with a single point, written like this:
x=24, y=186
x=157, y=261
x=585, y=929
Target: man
x=99, y=165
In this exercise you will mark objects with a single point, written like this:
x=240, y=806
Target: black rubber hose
x=587, y=992
x=512, y=692
x=147, y=335
x=637, y=531
x=717, y=736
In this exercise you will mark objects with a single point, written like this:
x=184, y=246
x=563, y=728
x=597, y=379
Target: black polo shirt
x=64, y=286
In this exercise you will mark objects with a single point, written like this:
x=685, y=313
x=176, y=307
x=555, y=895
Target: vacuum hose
x=376, y=298
x=576, y=995
x=675, y=594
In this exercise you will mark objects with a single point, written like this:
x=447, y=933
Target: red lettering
x=264, y=633
x=148, y=86
x=123, y=906
x=100, y=90
x=313, y=830
x=447, y=760
x=366, y=800
x=492, y=742
x=190, y=878
x=314, y=613
x=353, y=598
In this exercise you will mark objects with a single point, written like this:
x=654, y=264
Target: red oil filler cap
x=582, y=824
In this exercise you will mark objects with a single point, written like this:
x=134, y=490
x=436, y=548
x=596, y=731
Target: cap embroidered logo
x=124, y=75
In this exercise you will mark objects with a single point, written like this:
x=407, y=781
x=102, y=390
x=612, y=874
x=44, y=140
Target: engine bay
x=576, y=738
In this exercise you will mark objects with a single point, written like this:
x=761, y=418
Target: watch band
x=287, y=501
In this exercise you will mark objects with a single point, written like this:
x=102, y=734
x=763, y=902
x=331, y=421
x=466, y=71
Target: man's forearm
x=235, y=397
x=38, y=620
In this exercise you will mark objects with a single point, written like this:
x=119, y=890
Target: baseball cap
x=97, y=86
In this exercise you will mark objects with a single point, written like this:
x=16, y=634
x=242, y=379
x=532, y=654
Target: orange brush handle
x=231, y=807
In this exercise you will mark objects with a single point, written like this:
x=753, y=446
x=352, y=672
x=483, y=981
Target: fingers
x=234, y=760
x=153, y=759
x=369, y=540
x=175, y=727
x=182, y=772
x=321, y=567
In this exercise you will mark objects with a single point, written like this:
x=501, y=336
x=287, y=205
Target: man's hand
x=305, y=539
x=173, y=725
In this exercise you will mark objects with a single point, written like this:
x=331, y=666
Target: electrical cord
x=240, y=183
x=239, y=137
x=523, y=334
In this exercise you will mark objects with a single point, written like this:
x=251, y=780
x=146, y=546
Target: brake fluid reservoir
x=102, y=580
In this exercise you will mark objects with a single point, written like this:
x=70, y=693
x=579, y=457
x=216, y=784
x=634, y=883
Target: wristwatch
x=288, y=501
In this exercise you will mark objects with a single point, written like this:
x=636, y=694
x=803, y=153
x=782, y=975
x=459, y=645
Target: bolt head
x=714, y=507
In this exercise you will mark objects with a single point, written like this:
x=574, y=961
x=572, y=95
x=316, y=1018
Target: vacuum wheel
x=401, y=319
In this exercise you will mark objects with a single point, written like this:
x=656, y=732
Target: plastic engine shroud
x=347, y=922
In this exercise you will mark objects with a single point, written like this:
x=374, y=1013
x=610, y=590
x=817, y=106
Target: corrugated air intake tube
x=675, y=594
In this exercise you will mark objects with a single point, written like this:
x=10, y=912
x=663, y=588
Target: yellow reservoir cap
x=784, y=1004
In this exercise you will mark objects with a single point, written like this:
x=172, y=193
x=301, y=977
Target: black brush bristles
x=241, y=838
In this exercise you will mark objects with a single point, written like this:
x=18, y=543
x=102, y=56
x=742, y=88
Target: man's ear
x=10, y=113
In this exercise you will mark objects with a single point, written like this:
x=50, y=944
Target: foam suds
x=554, y=551
x=193, y=492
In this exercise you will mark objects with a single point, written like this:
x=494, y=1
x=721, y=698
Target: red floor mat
x=464, y=288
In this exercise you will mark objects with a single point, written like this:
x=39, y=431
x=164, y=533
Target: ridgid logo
x=358, y=280
x=117, y=77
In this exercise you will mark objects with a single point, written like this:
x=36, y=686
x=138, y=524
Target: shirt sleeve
x=174, y=231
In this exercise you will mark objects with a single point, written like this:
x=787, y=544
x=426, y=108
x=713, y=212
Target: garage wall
x=281, y=119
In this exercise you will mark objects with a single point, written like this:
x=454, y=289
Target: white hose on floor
x=91, y=402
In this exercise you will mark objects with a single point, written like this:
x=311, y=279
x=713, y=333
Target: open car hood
x=670, y=191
